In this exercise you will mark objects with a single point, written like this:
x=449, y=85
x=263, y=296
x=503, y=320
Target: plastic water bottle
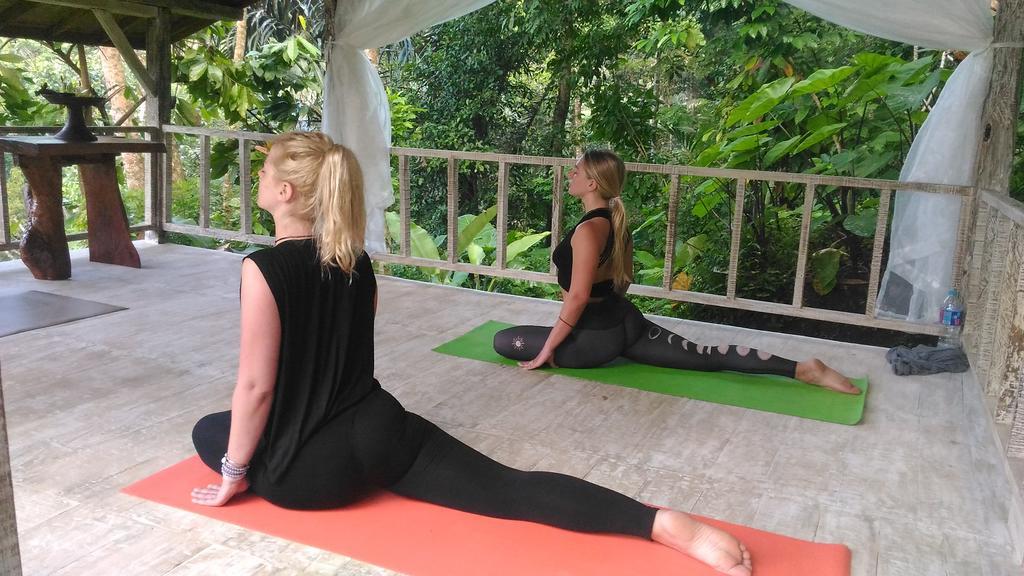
x=952, y=318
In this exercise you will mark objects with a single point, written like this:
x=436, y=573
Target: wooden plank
x=117, y=36
x=245, y=186
x=85, y=235
x=502, y=240
x=404, y=205
x=877, y=246
x=466, y=267
x=670, y=233
x=556, y=210
x=732, y=174
x=97, y=130
x=219, y=133
x=147, y=8
x=737, y=235
x=785, y=310
x=227, y=235
x=10, y=556
x=5, y=213
x=973, y=292
x=805, y=238
x=211, y=11
x=965, y=225
x=453, y=208
x=1000, y=233
x=204, y=181
x=50, y=146
x=113, y=6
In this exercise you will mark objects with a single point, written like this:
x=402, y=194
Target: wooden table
x=44, y=245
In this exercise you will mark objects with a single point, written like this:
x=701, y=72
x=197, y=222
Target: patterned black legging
x=614, y=327
x=378, y=444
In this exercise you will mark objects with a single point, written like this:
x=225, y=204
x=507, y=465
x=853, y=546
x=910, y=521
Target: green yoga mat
x=759, y=392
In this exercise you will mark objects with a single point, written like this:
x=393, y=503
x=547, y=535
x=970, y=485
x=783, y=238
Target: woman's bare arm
x=257, y=364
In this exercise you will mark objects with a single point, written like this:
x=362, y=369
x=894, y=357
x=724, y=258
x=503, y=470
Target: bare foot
x=815, y=372
x=707, y=544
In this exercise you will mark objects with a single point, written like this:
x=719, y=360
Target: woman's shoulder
x=593, y=229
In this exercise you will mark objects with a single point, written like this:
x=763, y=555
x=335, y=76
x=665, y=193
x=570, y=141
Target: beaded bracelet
x=232, y=471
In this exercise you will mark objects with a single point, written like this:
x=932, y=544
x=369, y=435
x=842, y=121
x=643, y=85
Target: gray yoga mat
x=29, y=310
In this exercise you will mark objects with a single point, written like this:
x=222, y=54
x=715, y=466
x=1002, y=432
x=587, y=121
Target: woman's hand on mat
x=219, y=494
x=545, y=357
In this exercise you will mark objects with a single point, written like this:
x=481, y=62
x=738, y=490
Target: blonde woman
x=596, y=324
x=309, y=426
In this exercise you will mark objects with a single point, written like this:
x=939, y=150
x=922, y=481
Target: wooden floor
x=918, y=488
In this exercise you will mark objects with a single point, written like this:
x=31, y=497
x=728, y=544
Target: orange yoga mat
x=423, y=539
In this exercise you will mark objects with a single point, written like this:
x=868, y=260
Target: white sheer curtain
x=944, y=152
x=356, y=111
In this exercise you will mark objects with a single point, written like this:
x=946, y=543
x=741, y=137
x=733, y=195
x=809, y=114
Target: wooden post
x=5, y=215
x=502, y=232
x=10, y=558
x=670, y=233
x=244, y=186
x=995, y=151
x=158, y=113
x=453, y=209
x=556, y=210
x=737, y=235
x=995, y=154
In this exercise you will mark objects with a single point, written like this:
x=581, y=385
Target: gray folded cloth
x=926, y=360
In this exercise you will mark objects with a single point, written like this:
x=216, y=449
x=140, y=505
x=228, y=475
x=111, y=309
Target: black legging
x=377, y=444
x=614, y=327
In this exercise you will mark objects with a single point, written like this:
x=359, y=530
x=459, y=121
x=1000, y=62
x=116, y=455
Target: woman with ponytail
x=311, y=428
x=597, y=324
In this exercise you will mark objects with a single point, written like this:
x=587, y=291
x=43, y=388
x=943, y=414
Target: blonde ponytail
x=609, y=172
x=327, y=178
x=339, y=222
x=622, y=247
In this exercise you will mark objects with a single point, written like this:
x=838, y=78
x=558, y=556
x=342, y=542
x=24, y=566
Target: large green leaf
x=905, y=98
x=475, y=253
x=779, y=150
x=863, y=223
x=745, y=143
x=476, y=225
x=822, y=79
x=687, y=250
x=647, y=260
x=709, y=194
x=818, y=135
x=825, y=267
x=752, y=129
x=760, y=102
x=421, y=244
x=523, y=244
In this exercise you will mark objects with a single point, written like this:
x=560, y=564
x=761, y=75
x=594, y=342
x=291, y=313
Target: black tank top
x=326, y=353
x=562, y=256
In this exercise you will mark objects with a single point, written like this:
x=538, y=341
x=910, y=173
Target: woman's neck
x=290, y=227
x=593, y=202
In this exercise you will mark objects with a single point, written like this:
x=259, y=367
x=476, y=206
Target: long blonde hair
x=609, y=172
x=327, y=178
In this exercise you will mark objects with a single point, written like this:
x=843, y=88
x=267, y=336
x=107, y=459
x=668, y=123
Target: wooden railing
x=159, y=209
x=994, y=328
x=9, y=240
x=741, y=178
